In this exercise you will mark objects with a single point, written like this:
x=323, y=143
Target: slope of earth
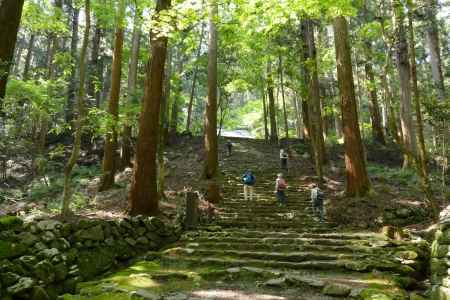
x=257, y=249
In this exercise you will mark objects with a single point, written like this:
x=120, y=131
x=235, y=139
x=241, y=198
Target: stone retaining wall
x=43, y=259
x=440, y=259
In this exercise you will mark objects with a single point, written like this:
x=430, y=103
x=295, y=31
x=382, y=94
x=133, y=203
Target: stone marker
x=191, y=220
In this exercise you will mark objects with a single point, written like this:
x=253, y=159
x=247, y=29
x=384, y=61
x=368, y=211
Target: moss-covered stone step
x=282, y=248
x=294, y=242
x=251, y=233
x=296, y=225
x=304, y=219
x=263, y=255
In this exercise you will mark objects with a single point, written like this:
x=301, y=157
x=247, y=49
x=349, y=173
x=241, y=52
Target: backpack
x=320, y=196
x=249, y=179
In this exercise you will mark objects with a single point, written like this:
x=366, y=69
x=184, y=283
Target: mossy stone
x=95, y=261
x=39, y=293
x=10, y=250
x=10, y=223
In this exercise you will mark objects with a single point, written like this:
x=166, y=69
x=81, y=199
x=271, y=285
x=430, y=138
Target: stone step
x=265, y=234
x=262, y=255
x=294, y=225
x=280, y=242
x=281, y=247
x=326, y=265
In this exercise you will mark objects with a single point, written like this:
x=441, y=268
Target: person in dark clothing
x=317, y=198
x=283, y=160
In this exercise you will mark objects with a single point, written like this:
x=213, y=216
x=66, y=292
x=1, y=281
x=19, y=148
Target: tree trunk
x=93, y=65
x=211, y=147
x=26, y=68
x=266, y=128
x=177, y=95
x=272, y=111
x=298, y=116
x=432, y=35
x=164, y=123
x=194, y=81
x=280, y=70
x=358, y=183
x=109, y=165
x=144, y=197
x=73, y=54
x=314, y=111
x=81, y=116
x=10, y=15
x=127, y=147
x=403, y=67
x=374, y=108
x=421, y=164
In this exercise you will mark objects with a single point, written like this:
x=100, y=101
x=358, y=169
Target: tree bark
x=144, y=197
x=127, y=147
x=432, y=35
x=211, y=147
x=194, y=82
x=178, y=87
x=266, y=128
x=403, y=67
x=109, y=165
x=73, y=54
x=10, y=15
x=358, y=183
x=81, y=116
x=314, y=111
x=374, y=108
x=26, y=67
x=280, y=70
x=93, y=65
x=272, y=111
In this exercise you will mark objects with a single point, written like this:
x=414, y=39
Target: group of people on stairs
x=249, y=181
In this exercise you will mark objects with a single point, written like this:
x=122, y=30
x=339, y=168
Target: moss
x=10, y=222
x=11, y=250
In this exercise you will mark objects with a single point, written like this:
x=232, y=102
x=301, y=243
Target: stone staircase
x=284, y=242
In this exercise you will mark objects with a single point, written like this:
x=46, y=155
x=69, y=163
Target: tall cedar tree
x=81, y=114
x=358, y=183
x=271, y=108
x=127, y=147
x=10, y=15
x=144, y=197
x=110, y=160
x=211, y=148
x=71, y=90
x=374, y=108
x=314, y=111
x=404, y=75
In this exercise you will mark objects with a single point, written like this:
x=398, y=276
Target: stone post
x=191, y=220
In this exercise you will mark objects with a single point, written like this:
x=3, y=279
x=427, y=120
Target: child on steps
x=280, y=187
x=317, y=198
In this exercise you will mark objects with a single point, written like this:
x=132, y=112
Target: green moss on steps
x=10, y=222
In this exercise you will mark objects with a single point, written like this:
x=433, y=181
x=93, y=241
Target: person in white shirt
x=317, y=198
x=280, y=187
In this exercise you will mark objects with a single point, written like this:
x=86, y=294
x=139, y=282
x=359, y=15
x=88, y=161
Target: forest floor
x=251, y=250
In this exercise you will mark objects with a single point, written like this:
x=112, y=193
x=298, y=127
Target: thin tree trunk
x=358, y=183
x=421, y=164
x=194, y=81
x=211, y=146
x=403, y=67
x=272, y=111
x=73, y=54
x=314, y=112
x=93, y=65
x=127, y=147
x=298, y=116
x=109, y=165
x=144, y=197
x=266, y=128
x=10, y=15
x=26, y=67
x=81, y=116
x=374, y=108
x=177, y=95
x=432, y=37
x=280, y=69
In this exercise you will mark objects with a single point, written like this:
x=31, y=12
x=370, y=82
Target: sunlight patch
x=238, y=295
